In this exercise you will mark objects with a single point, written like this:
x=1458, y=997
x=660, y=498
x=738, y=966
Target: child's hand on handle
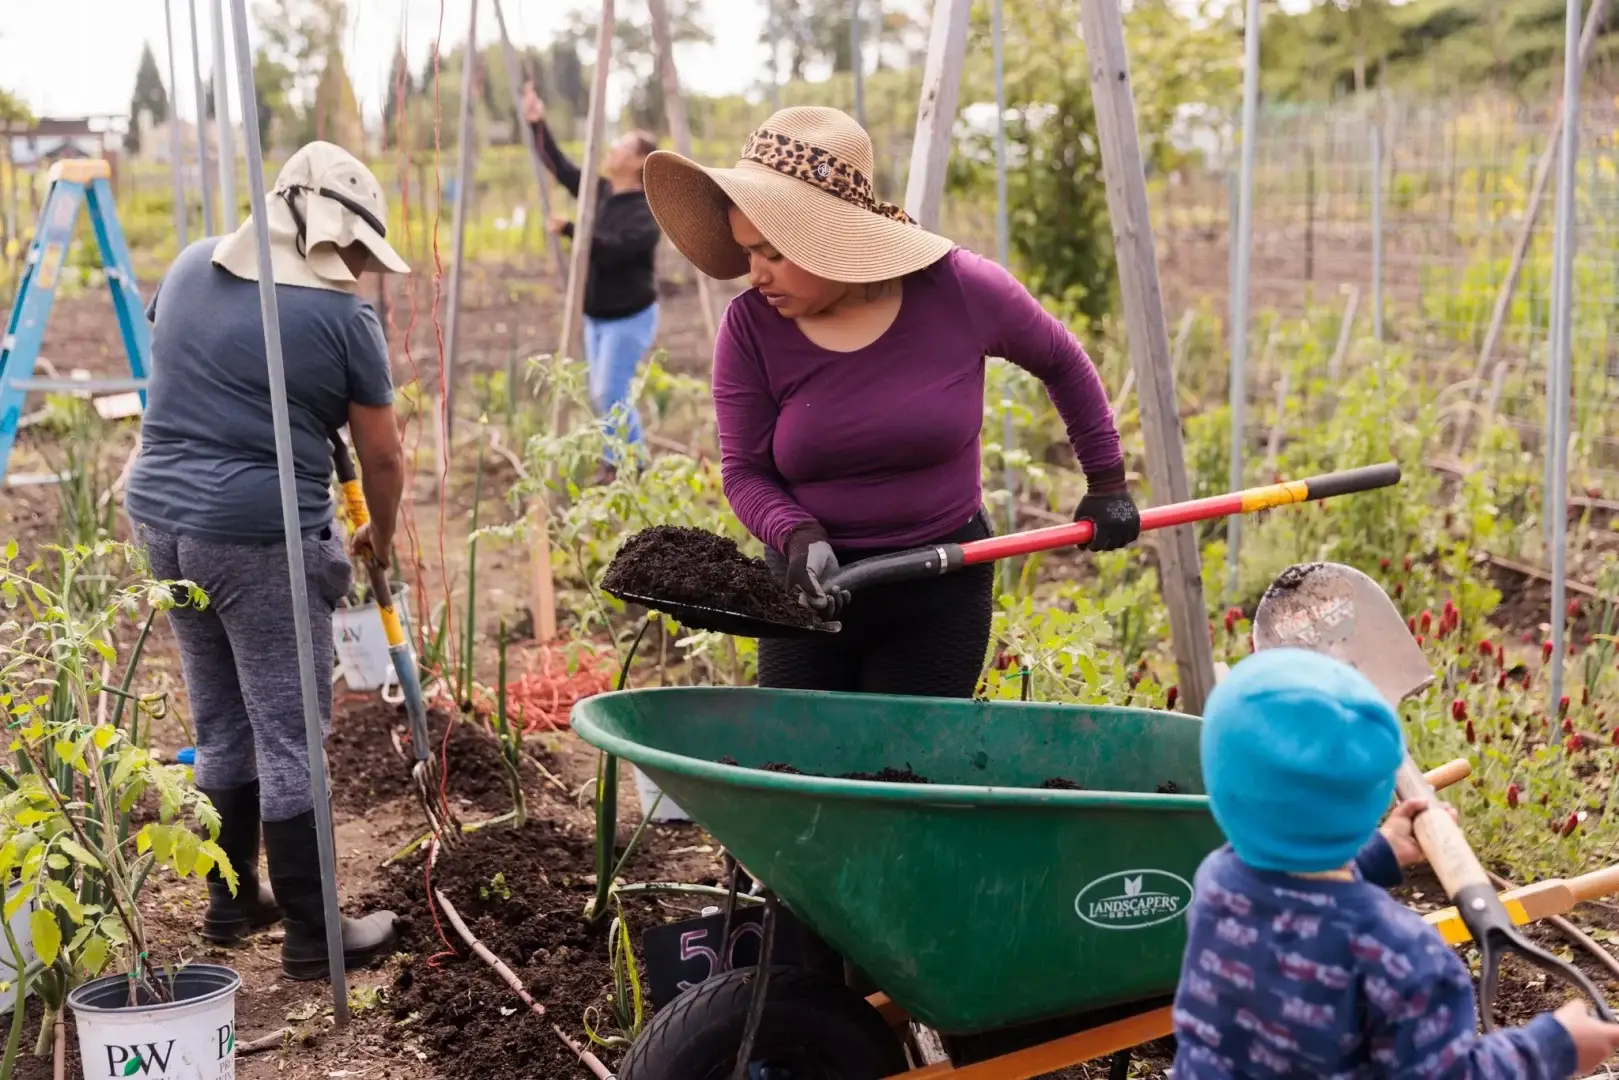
x=1594, y=1040
x=1399, y=831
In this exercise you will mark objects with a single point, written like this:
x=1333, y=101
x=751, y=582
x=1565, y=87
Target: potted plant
x=70, y=853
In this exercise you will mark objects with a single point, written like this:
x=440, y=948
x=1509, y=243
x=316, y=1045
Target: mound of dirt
x=366, y=769
x=522, y=893
x=689, y=566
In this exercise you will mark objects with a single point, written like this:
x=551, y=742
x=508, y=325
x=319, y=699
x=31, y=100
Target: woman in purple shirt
x=849, y=389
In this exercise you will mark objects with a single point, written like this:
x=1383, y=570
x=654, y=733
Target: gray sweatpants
x=239, y=657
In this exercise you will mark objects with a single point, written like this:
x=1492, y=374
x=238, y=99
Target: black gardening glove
x=810, y=563
x=1108, y=507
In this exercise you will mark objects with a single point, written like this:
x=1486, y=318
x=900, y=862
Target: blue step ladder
x=73, y=184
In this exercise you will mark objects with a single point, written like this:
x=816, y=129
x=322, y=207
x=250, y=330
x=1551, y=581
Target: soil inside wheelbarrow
x=690, y=566
x=906, y=775
x=523, y=894
x=361, y=751
x=885, y=775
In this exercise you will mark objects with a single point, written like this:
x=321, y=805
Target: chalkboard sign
x=680, y=955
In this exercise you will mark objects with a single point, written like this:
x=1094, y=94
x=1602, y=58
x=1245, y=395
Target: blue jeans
x=613, y=352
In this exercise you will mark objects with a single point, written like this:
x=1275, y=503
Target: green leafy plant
x=69, y=849
x=497, y=887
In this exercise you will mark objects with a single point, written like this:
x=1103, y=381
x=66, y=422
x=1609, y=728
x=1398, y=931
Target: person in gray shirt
x=205, y=501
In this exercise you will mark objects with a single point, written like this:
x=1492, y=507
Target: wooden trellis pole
x=544, y=599
x=589, y=192
x=936, y=114
x=465, y=178
x=516, y=72
x=1180, y=573
x=674, y=109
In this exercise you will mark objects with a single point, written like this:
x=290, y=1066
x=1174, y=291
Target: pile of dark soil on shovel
x=361, y=751
x=523, y=894
x=690, y=566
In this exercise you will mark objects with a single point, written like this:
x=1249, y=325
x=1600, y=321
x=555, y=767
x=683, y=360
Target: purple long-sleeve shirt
x=879, y=446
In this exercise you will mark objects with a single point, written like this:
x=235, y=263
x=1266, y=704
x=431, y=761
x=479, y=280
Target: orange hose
x=547, y=690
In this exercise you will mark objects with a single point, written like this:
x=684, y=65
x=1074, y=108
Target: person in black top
x=621, y=296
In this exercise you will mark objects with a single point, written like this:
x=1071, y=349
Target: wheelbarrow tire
x=807, y=1017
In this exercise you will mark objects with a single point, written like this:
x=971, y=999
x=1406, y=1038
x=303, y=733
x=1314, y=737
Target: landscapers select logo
x=1133, y=899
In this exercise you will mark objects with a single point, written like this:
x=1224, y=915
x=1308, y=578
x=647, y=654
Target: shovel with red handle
x=926, y=562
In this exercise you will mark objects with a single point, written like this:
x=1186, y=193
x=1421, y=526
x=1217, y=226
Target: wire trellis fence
x=1415, y=252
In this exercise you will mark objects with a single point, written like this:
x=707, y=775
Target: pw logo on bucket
x=1133, y=899
x=153, y=1060
x=149, y=1059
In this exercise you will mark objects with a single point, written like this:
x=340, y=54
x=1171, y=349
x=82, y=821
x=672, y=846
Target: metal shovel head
x=697, y=617
x=1338, y=611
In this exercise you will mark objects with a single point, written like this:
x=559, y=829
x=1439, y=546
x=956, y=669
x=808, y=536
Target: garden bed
x=522, y=893
x=361, y=752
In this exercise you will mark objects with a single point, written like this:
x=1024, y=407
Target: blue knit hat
x=1299, y=753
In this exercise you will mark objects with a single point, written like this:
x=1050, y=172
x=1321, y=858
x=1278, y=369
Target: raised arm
x=1012, y=325
x=746, y=413
x=552, y=157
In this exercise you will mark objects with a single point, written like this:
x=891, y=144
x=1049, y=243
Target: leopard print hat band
x=804, y=180
x=820, y=168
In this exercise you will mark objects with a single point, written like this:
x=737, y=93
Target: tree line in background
x=1186, y=61
x=1339, y=47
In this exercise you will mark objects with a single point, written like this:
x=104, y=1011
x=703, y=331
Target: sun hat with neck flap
x=804, y=180
x=1299, y=752
x=324, y=200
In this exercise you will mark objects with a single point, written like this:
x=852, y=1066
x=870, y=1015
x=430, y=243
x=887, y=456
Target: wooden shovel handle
x=1440, y=838
x=1597, y=883
x=1451, y=772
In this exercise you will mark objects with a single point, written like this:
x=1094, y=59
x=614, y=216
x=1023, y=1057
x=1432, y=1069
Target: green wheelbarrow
x=1031, y=927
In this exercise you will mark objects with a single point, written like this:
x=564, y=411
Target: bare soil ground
x=423, y=1014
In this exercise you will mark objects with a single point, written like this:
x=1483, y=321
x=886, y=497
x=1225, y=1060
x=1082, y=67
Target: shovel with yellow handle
x=425, y=774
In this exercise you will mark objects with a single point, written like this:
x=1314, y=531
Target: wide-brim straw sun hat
x=324, y=200
x=804, y=181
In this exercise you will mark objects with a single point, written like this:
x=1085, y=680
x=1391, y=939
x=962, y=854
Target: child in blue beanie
x=1298, y=962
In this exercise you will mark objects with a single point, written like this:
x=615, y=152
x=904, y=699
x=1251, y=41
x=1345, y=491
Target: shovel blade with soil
x=705, y=582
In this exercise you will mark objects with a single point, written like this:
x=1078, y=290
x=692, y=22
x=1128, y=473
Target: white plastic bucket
x=10, y=965
x=666, y=811
x=192, y=1037
x=362, y=645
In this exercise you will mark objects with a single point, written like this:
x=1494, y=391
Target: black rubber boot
x=294, y=858
x=231, y=918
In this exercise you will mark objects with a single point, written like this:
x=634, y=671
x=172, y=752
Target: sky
x=78, y=57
